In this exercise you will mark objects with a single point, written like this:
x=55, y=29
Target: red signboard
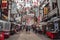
x=4, y=4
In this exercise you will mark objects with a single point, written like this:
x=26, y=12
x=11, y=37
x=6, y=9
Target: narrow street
x=26, y=36
x=42, y=17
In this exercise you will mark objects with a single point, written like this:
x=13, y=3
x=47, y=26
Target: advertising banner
x=45, y=10
x=4, y=4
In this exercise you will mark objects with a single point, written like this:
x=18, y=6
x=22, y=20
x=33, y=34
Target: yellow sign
x=45, y=10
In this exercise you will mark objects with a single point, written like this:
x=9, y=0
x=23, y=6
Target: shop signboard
x=4, y=4
x=45, y=10
x=30, y=19
x=14, y=8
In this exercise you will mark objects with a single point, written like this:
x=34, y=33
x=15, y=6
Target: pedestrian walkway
x=28, y=36
x=31, y=36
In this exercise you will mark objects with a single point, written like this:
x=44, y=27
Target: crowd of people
x=31, y=23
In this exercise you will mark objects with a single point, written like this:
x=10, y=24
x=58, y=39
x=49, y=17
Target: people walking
x=28, y=25
x=28, y=29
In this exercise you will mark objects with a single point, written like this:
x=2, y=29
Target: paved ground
x=26, y=36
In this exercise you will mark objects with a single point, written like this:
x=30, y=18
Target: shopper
x=28, y=27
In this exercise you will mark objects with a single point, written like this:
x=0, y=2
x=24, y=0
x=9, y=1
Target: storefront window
x=45, y=10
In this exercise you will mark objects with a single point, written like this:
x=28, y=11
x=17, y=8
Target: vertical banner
x=45, y=10
x=4, y=7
